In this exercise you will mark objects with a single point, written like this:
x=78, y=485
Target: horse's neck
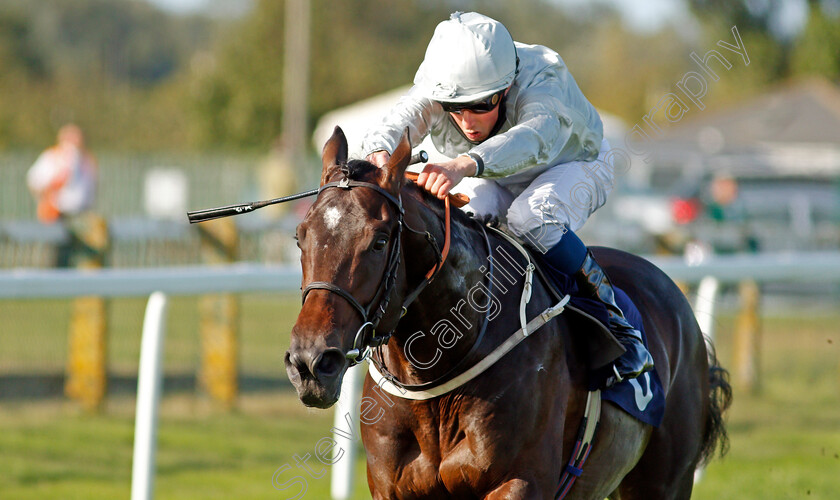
x=442, y=325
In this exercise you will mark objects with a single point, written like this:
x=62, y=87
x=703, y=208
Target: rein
x=366, y=337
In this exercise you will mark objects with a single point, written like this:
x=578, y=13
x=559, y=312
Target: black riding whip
x=240, y=208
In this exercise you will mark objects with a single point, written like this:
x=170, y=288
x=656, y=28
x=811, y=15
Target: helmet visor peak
x=480, y=106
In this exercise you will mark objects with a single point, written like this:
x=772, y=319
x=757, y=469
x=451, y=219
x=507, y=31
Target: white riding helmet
x=470, y=56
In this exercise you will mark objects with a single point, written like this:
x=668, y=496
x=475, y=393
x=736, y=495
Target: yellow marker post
x=748, y=339
x=87, y=361
x=219, y=313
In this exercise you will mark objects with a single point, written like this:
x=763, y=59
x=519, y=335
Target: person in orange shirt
x=63, y=182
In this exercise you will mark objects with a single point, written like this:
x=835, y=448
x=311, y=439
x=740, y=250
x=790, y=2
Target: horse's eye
x=380, y=243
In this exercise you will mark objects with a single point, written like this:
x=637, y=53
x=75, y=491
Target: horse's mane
x=357, y=170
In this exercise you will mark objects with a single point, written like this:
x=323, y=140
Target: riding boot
x=571, y=257
x=592, y=281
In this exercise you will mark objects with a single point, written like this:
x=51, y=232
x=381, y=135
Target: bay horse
x=371, y=242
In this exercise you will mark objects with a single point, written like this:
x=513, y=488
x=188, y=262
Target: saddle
x=643, y=398
x=599, y=345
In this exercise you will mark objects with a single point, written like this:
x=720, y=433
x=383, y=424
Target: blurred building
x=762, y=175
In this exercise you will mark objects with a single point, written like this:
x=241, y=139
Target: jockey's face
x=476, y=126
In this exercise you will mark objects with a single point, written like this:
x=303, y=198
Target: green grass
x=785, y=441
x=52, y=450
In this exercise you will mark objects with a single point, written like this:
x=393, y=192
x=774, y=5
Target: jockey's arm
x=440, y=178
x=379, y=158
x=411, y=111
x=546, y=132
x=436, y=178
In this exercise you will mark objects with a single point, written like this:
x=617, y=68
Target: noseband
x=366, y=337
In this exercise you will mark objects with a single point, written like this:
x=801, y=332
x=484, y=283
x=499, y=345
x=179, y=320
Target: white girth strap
x=592, y=416
x=478, y=368
x=529, y=278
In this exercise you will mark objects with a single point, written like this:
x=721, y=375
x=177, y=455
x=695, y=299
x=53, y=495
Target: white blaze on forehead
x=332, y=216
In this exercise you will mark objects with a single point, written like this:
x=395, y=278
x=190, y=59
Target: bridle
x=366, y=337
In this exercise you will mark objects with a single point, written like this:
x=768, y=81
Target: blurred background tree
x=784, y=38
x=817, y=50
x=108, y=65
x=138, y=78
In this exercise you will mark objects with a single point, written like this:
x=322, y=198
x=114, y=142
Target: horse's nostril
x=330, y=363
x=293, y=360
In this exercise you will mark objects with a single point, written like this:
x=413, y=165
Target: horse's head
x=350, y=253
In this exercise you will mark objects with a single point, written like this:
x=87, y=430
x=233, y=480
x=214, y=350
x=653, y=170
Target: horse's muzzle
x=316, y=374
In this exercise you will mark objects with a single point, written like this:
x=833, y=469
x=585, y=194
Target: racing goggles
x=481, y=106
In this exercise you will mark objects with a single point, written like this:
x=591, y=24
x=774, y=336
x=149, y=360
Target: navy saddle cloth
x=642, y=397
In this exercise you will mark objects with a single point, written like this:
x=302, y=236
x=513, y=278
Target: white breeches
x=563, y=196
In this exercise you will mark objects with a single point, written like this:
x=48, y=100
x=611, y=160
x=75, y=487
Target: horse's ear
x=397, y=164
x=334, y=154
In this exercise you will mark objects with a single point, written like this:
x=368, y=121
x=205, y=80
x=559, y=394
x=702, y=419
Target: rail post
x=704, y=305
x=219, y=317
x=748, y=338
x=87, y=370
x=149, y=388
x=346, y=413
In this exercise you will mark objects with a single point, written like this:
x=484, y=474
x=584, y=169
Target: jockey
x=525, y=141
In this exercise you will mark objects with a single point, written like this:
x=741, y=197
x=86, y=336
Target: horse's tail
x=715, y=438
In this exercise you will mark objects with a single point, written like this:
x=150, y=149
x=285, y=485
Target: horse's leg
x=666, y=470
x=619, y=442
x=685, y=487
x=517, y=489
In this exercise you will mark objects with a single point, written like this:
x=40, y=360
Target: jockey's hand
x=440, y=178
x=379, y=158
